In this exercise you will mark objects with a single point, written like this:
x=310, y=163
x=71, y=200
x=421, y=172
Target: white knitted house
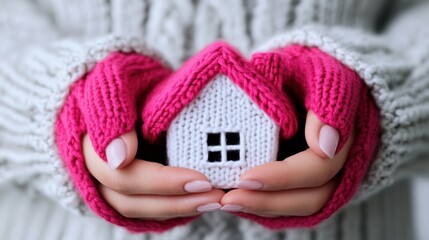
x=222, y=133
x=221, y=114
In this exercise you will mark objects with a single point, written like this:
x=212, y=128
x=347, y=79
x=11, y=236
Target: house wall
x=220, y=107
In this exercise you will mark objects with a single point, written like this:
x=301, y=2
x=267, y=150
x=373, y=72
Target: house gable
x=173, y=94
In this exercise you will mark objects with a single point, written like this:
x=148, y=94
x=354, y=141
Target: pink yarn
x=105, y=104
x=339, y=98
x=169, y=97
x=112, y=91
x=330, y=89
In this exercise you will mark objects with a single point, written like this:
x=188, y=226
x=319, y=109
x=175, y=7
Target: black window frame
x=230, y=150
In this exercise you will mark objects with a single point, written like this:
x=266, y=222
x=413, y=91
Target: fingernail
x=250, y=185
x=116, y=153
x=232, y=208
x=198, y=186
x=328, y=140
x=209, y=207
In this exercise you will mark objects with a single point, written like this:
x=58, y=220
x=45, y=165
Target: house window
x=224, y=147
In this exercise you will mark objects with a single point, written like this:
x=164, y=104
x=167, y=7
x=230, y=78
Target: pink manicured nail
x=232, y=208
x=198, y=186
x=116, y=153
x=209, y=207
x=250, y=185
x=328, y=140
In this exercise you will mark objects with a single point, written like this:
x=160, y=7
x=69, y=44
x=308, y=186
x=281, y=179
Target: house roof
x=177, y=91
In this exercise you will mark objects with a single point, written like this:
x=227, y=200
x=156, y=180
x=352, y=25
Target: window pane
x=213, y=139
x=233, y=155
x=232, y=138
x=215, y=156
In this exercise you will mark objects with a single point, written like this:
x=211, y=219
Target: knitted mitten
x=339, y=98
x=104, y=104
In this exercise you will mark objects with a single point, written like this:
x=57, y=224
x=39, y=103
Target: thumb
x=121, y=151
x=322, y=139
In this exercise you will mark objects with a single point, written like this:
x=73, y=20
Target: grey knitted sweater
x=46, y=45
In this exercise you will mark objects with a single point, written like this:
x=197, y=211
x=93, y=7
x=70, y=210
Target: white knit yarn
x=122, y=24
x=19, y=31
x=221, y=108
x=212, y=22
x=79, y=17
x=395, y=64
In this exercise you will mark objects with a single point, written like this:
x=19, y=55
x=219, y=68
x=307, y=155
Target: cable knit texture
x=48, y=45
x=104, y=104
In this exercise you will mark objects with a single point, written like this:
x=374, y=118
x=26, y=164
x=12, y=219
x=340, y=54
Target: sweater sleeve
x=394, y=64
x=33, y=89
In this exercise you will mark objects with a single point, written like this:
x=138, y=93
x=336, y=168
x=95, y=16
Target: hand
x=135, y=189
x=300, y=185
x=148, y=190
x=97, y=140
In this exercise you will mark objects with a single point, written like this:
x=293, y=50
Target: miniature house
x=220, y=115
x=222, y=133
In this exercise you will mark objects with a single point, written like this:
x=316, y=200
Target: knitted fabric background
x=389, y=55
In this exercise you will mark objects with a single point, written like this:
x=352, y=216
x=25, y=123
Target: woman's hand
x=148, y=190
x=97, y=140
x=300, y=185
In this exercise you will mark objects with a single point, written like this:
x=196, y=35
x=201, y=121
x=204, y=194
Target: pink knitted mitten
x=339, y=98
x=104, y=104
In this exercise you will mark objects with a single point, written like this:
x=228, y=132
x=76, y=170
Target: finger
x=143, y=177
x=295, y=202
x=329, y=88
x=321, y=138
x=158, y=207
x=112, y=91
x=121, y=151
x=304, y=169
